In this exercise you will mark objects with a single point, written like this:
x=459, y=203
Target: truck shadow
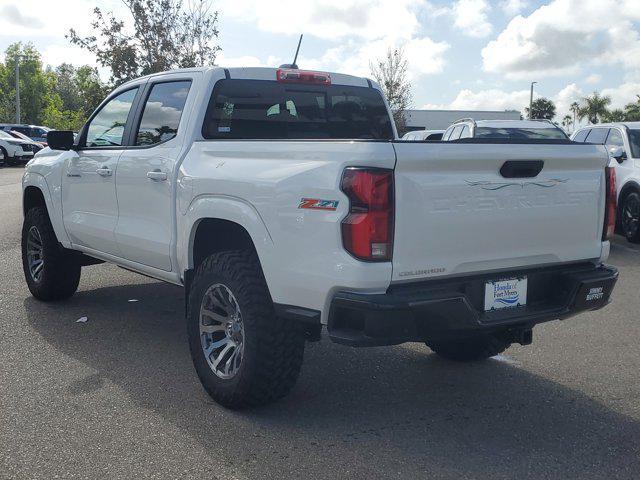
x=393, y=412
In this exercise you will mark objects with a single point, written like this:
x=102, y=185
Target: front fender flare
x=32, y=179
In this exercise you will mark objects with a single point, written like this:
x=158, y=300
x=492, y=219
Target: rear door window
x=162, y=112
x=598, y=136
x=260, y=109
x=581, y=135
x=466, y=132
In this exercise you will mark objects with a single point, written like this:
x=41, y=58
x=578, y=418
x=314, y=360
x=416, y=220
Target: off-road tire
x=61, y=270
x=470, y=349
x=273, y=347
x=631, y=230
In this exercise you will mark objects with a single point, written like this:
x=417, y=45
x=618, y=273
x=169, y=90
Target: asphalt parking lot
x=117, y=397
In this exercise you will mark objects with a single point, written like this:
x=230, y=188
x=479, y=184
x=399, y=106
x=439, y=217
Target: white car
x=504, y=130
x=423, y=135
x=622, y=141
x=283, y=203
x=15, y=150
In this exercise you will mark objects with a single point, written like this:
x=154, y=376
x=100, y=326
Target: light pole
x=531, y=101
x=17, y=88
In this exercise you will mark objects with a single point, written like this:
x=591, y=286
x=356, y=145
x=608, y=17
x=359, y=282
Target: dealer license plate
x=511, y=292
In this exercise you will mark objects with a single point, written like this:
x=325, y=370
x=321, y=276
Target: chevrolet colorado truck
x=282, y=201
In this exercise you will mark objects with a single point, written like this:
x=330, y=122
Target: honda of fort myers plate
x=511, y=292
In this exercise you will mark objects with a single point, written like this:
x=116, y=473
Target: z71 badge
x=318, y=204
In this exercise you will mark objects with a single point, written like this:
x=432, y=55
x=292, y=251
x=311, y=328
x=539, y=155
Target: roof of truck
x=259, y=73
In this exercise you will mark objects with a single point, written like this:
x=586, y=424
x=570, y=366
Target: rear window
x=260, y=109
x=520, y=133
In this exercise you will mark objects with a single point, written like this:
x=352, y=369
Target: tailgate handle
x=521, y=168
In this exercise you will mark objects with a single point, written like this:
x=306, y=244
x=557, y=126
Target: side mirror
x=618, y=153
x=60, y=139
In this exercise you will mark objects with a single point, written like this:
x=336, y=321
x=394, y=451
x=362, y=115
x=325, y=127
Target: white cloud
x=622, y=94
x=490, y=99
x=470, y=16
x=329, y=19
x=513, y=7
x=593, y=79
x=565, y=97
x=565, y=35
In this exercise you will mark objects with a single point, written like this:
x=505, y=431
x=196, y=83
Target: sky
x=462, y=54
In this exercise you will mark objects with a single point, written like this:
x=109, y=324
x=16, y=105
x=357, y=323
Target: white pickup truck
x=283, y=202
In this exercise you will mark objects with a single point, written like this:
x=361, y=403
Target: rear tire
x=51, y=271
x=630, y=217
x=470, y=349
x=230, y=289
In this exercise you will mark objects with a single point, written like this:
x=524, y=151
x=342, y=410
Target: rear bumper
x=453, y=308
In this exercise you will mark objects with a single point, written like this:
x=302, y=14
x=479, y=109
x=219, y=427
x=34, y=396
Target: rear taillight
x=610, y=203
x=367, y=231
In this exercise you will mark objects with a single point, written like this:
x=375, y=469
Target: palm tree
x=594, y=107
x=575, y=109
x=541, y=108
x=616, y=115
x=632, y=111
x=566, y=121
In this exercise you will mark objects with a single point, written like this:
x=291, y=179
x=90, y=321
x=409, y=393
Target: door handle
x=104, y=171
x=157, y=175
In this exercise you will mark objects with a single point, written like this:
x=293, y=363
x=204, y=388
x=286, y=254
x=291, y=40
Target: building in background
x=441, y=119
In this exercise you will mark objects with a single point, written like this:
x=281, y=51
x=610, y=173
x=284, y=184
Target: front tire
x=470, y=349
x=243, y=353
x=51, y=271
x=630, y=217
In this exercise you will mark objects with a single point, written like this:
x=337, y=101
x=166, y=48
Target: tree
x=632, y=110
x=566, y=122
x=166, y=34
x=594, y=107
x=616, y=115
x=541, y=108
x=391, y=73
x=575, y=108
x=34, y=84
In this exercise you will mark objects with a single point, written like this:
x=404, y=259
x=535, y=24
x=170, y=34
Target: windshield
x=5, y=135
x=246, y=109
x=520, y=133
x=634, y=142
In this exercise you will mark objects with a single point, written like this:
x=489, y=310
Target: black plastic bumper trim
x=452, y=308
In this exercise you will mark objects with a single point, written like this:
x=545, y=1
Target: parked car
x=15, y=150
x=36, y=133
x=37, y=146
x=422, y=135
x=283, y=203
x=504, y=129
x=622, y=141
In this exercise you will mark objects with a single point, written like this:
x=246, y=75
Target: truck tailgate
x=456, y=213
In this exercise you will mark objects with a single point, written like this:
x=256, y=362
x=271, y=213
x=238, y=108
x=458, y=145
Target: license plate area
x=505, y=293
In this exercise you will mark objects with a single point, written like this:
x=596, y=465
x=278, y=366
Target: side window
x=598, y=135
x=455, y=135
x=447, y=134
x=466, y=132
x=162, y=112
x=107, y=127
x=581, y=135
x=615, y=138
